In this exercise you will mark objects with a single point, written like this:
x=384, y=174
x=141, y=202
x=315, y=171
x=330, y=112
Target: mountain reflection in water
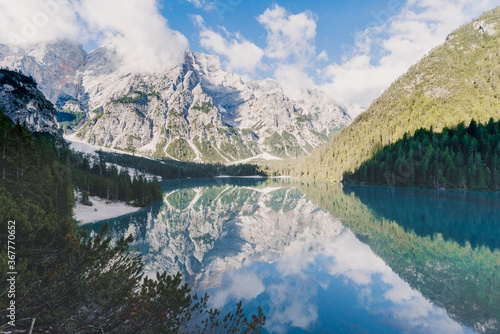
x=315, y=257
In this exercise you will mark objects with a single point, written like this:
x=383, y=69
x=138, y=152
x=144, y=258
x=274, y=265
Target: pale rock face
x=22, y=101
x=487, y=28
x=53, y=66
x=193, y=112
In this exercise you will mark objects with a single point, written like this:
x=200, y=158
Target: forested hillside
x=171, y=169
x=456, y=82
x=461, y=157
x=96, y=178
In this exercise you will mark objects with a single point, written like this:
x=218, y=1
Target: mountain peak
x=195, y=111
x=53, y=65
x=202, y=62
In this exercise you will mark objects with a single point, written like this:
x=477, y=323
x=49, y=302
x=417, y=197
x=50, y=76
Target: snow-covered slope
x=193, y=112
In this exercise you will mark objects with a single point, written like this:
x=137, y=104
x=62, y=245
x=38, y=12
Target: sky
x=350, y=50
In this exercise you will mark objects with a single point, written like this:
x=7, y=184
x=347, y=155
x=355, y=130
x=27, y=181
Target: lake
x=329, y=258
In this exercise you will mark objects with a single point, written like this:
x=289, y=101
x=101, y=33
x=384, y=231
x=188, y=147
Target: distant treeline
x=97, y=179
x=170, y=169
x=461, y=157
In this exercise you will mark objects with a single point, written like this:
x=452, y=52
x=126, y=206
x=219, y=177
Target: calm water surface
x=324, y=258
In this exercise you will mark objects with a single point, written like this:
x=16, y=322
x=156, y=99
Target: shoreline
x=101, y=209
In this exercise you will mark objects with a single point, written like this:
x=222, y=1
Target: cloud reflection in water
x=293, y=289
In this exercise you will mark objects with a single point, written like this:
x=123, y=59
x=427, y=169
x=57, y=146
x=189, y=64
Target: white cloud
x=409, y=310
x=23, y=22
x=294, y=80
x=216, y=8
x=402, y=39
x=196, y=3
x=292, y=304
x=243, y=285
x=291, y=48
x=240, y=54
x=322, y=56
x=289, y=35
x=147, y=43
x=204, y=4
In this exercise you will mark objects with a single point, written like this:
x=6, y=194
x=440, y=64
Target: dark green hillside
x=35, y=189
x=462, y=157
x=456, y=82
x=98, y=179
x=171, y=169
x=69, y=119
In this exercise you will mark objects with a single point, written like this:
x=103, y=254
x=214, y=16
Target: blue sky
x=337, y=21
x=349, y=50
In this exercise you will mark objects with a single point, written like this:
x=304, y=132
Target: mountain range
x=198, y=112
x=193, y=112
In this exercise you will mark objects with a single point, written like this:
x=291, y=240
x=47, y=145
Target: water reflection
x=275, y=244
x=334, y=283
x=465, y=217
x=463, y=280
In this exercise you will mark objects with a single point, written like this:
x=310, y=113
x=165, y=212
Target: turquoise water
x=329, y=259
x=465, y=217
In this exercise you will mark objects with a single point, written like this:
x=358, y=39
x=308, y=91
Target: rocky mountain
x=53, y=66
x=454, y=83
x=193, y=112
x=21, y=101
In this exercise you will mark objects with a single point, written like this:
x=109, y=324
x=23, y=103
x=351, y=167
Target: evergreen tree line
x=170, y=169
x=460, y=157
x=95, y=177
x=69, y=282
